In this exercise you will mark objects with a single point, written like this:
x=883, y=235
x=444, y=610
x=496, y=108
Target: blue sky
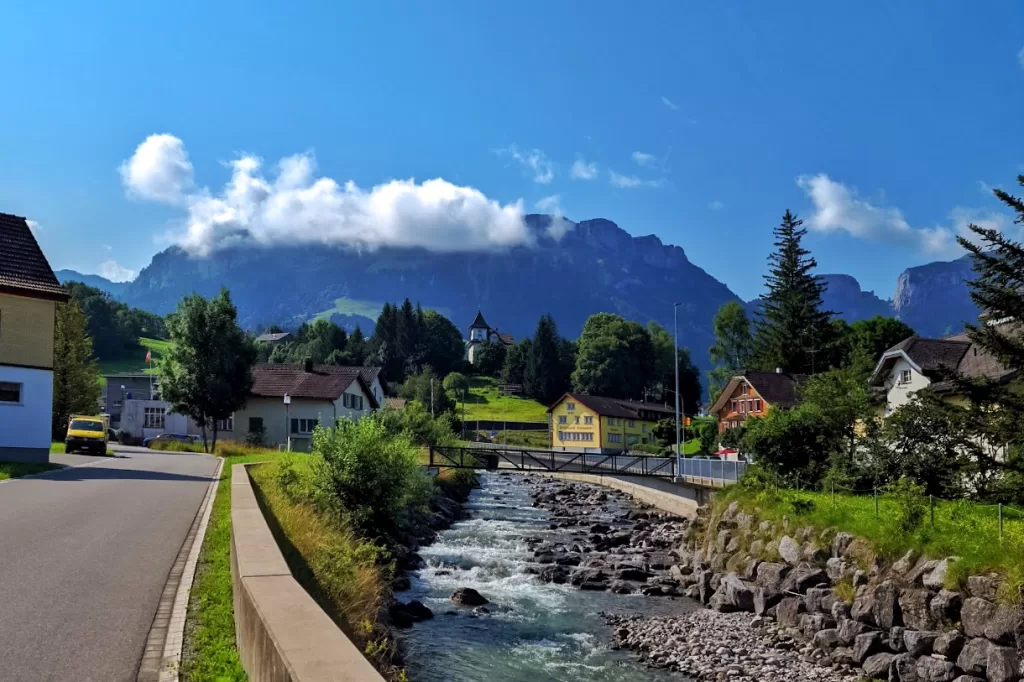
x=880, y=123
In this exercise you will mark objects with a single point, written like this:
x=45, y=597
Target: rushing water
x=535, y=631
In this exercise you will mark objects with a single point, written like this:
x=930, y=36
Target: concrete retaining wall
x=665, y=495
x=282, y=634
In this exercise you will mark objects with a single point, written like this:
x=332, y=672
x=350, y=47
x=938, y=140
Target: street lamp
x=287, y=420
x=675, y=329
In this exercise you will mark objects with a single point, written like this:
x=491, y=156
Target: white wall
x=277, y=420
x=27, y=424
x=900, y=394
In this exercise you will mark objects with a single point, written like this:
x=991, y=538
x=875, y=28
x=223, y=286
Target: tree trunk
x=213, y=447
x=206, y=447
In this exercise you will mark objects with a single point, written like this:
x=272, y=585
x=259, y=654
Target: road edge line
x=161, y=659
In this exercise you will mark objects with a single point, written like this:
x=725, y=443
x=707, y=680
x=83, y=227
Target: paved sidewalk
x=84, y=555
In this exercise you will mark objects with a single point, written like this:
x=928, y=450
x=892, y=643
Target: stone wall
x=850, y=609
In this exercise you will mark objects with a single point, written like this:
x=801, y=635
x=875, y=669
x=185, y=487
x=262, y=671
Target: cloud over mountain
x=292, y=205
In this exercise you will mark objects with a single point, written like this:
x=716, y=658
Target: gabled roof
x=927, y=356
x=775, y=388
x=270, y=338
x=325, y=382
x=614, y=407
x=24, y=269
x=479, y=322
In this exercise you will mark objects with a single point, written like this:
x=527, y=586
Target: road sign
x=494, y=434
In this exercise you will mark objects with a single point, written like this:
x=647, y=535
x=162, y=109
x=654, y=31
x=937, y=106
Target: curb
x=161, y=658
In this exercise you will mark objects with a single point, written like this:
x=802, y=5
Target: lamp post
x=675, y=330
x=287, y=420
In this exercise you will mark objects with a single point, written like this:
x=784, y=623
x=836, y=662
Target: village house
x=317, y=394
x=916, y=363
x=29, y=294
x=751, y=394
x=588, y=423
x=480, y=331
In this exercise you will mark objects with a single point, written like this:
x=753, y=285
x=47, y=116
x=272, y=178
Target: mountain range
x=595, y=267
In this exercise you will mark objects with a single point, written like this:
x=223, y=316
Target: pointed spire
x=478, y=322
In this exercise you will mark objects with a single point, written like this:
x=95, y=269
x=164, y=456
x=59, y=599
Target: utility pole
x=431, y=396
x=675, y=330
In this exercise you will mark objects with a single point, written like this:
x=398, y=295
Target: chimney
x=309, y=365
x=778, y=370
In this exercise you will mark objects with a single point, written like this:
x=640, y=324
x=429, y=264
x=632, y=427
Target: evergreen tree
x=207, y=372
x=76, y=387
x=514, y=369
x=355, y=349
x=385, y=344
x=542, y=364
x=793, y=333
x=733, y=348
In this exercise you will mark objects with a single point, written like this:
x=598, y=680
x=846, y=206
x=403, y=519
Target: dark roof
x=615, y=407
x=325, y=382
x=479, y=322
x=955, y=352
x=506, y=339
x=777, y=388
x=277, y=336
x=24, y=269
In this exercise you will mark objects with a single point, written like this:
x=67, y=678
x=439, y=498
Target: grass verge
x=962, y=529
x=209, y=653
x=19, y=469
x=486, y=402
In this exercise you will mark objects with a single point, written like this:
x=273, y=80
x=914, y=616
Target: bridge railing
x=713, y=468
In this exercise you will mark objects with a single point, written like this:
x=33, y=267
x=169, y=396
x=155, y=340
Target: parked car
x=169, y=438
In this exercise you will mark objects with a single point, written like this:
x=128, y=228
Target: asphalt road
x=84, y=555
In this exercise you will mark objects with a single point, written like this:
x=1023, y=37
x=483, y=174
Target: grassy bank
x=134, y=360
x=486, y=402
x=209, y=653
x=902, y=523
x=19, y=469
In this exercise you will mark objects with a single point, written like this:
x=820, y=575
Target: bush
x=417, y=425
x=367, y=474
x=176, y=446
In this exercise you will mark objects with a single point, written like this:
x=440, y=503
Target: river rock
x=819, y=600
x=637, y=574
x=849, y=629
x=737, y=594
x=936, y=579
x=1003, y=664
x=835, y=569
x=918, y=642
x=789, y=550
x=949, y=644
x=887, y=608
x=840, y=542
x=558, y=575
x=973, y=658
x=915, y=605
x=931, y=669
x=945, y=607
x=923, y=567
x=840, y=610
x=826, y=639
x=975, y=615
x=403, y=615
x=865, y=645
x=772, y=574
x=905, y=563
x=1004, y=625
x=877, y=665
x=804, y=578
x=903, y=669
x=968, y=678
x=467, y=596
x=895, y=642
x=788, y=611
x=984, y=586
x=863, y=609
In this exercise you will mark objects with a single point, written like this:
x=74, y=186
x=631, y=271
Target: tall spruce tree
x=542, y=373
x=793, y=332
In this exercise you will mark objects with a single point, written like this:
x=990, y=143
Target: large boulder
x=835, y=569
x=733, y=595
x=863, y=609
x=975, y=615
x=949, y=644
x=765, y=598
x=790, y=551
x=819, y=600
x=403, y=615
x=887, y=607
x=915, y=605
x=849, y=630
x=973, y=658
x=945, y=607
x=787, y=613
x=1003, y=664
x=772, y=574
x=936, y=579
x=554, y=574
x=826, y=639
x=876, y=666
x=919, y=642
x=804, y=578
x=704, y=589
x=1005, y=625
x=467, y=596
x=905, y=563
x=840, y=542
x=984, y=586
x=931, y=669
x=903, y=669
x=865, y=645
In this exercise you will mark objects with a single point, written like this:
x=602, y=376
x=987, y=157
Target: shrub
x=367, y=474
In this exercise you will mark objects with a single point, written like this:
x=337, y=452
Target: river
x=535, y=631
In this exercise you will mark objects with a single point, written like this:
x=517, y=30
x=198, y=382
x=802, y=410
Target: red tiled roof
x=23, y=267
x=325, y=382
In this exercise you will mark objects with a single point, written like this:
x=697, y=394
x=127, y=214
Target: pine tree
x=76, y=388
x=541, y=376
x=793, y=331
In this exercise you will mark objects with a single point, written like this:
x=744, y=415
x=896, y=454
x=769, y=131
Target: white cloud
x=631, y=181
x=33, y=226
x=533, y=160
x=1020, y=57
x=839, y=208
x=669, y=103
x=292, y=205
x=115, y=272
x=644, y=159
x=716, y=205
x=559, y=226
x=159, y=170
x=548, y=204
x=581, y=170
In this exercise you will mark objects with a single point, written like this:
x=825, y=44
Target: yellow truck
x=87, y=433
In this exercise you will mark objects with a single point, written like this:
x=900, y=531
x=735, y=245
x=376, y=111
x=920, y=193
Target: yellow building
x=29, y=293
x=588, y=423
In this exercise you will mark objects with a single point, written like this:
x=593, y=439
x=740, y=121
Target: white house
x=29, y=294
x=480, y=331
x=316, y=393
x=916, y=363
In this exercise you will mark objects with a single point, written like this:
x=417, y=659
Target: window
x=644, y=428
x=614, y=437
x=757, y=404
x=905, y=376
x=631, y=440
x=562, y=419
x=153, y=417
x=570, y=407
x=733, y=406
x=10, y=392
x=743, y=406
x=612, y=421
x=255, y=424
x=588, y=420
x=303, y=426
x=226, y=424
x=353, y=402
x=733, y=423
x=632, y=423
x=744, y=390
x=577, y=419
x=575, y=435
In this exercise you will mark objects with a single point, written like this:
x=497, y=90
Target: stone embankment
x=791, y=603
